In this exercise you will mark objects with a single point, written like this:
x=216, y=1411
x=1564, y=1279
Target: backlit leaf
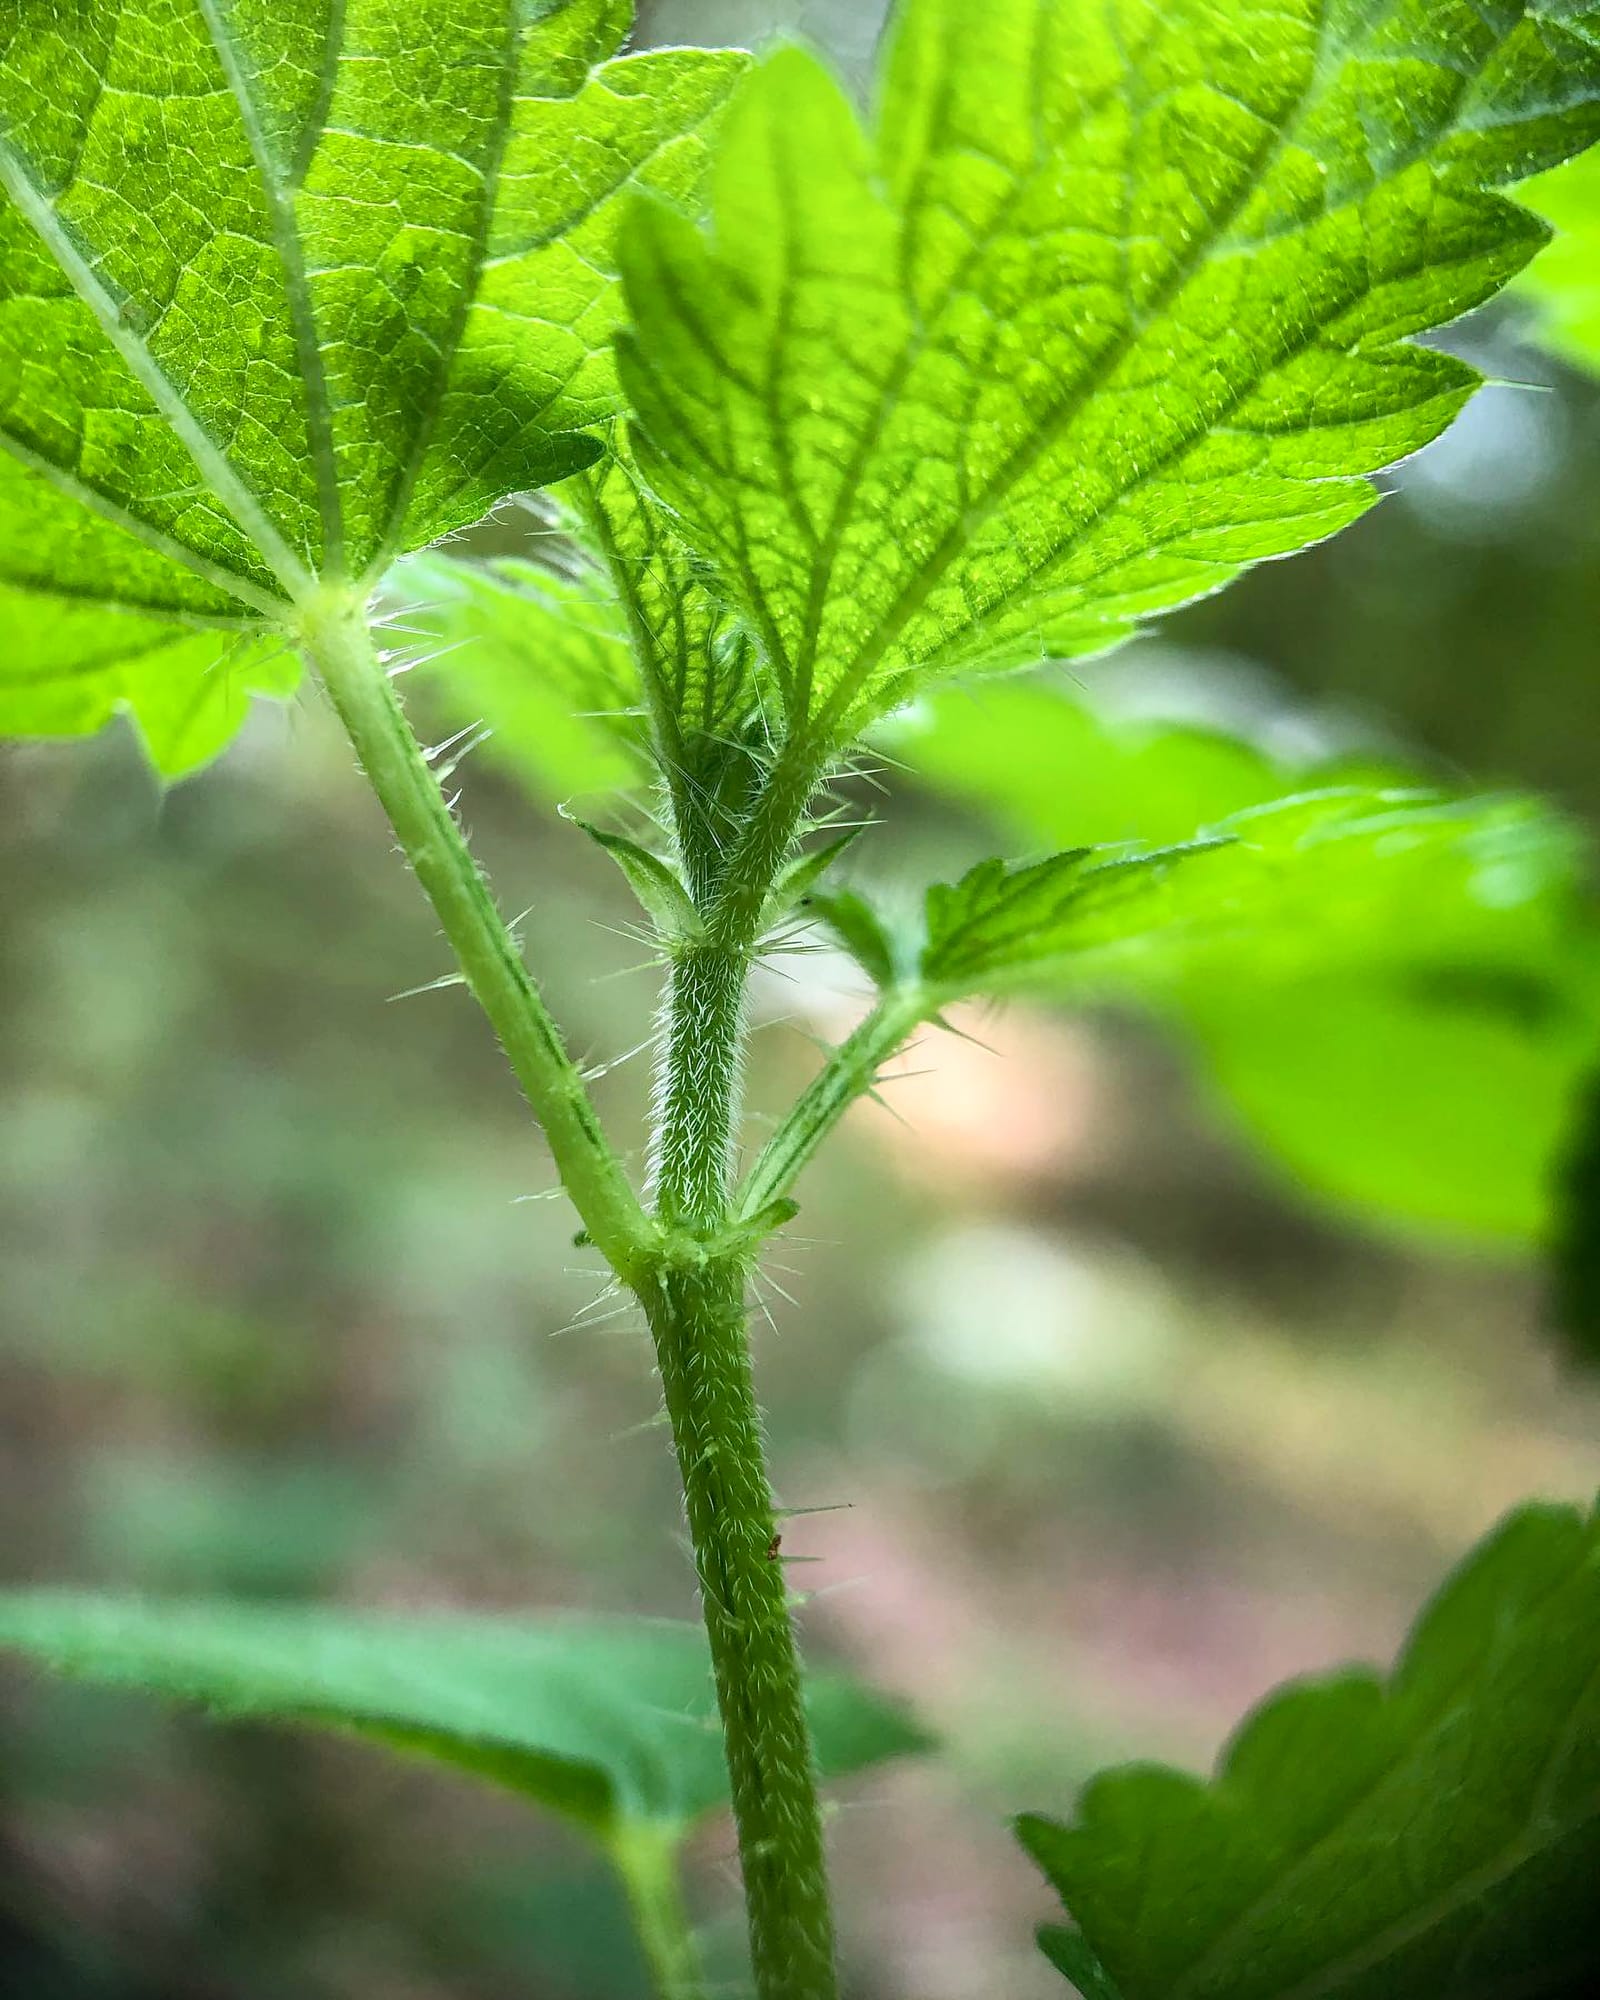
x=1105, y=303
x=285, y=291
x=1564, y=283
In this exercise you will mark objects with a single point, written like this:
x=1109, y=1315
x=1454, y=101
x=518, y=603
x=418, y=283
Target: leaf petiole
x=335, y=632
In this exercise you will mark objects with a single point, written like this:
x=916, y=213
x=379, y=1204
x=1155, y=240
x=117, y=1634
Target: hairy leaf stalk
x=334, y=626
x=696, y=1304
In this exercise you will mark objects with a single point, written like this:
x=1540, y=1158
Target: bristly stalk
x=687, y=1265
x=696, y=1304
x=338, y=640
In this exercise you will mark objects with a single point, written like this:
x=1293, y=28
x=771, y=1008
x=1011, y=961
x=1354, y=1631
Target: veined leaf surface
x=1434, y=1833
x=602, y=1720
x=286, y=291
x=1106, y=303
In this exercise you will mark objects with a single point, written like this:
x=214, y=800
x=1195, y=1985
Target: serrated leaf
x=696, y=660
x=286, y=291
x=67, y=668
x=1564, y=282
x=602, y=1720
x=1421, y=1074
x=1108, y=303
x=1313, y=881
x=1434, y=1833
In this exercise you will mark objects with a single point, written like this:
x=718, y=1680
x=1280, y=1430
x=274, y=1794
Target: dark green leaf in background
x=1433, y=1834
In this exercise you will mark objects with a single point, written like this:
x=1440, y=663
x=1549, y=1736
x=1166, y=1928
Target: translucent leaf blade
x=1564, y=283
x=1110, y=303
x=286, y=291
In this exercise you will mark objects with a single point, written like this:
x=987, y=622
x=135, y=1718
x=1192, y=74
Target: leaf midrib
x=1279, y=138
x=242, y=80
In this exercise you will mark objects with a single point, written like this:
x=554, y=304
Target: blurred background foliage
x=1144, y=1361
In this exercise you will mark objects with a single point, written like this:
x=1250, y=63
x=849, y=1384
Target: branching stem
x=688, y=1273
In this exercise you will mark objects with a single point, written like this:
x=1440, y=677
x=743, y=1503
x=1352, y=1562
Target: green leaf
x=1564, y=282
x=1423, y=1083
x=864, y=933
x=1053, y=769
x=1068, y=1952
x=1312, y=882
x=1108, y=303
x=662, y=895
x=69, y=667
x=285, y=291
x=1437, y=1833
x=798, y=882
x=537, y=658
x=1424, y=1097
x=600, y=1720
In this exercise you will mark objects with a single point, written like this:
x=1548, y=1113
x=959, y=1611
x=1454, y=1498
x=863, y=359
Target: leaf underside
x=287, y=290
x=1106, y=303
x=601, y=1720
x=1436, y=1833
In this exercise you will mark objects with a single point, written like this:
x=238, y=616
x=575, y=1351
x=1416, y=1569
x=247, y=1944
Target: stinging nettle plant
x=1098, y=305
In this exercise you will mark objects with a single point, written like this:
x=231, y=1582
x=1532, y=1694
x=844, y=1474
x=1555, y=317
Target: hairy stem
x=850, y=1072
x=696, y=1306
x=697, y=1316
x=334, y=627
x=646, y=1860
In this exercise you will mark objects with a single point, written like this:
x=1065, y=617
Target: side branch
x=850, y=1072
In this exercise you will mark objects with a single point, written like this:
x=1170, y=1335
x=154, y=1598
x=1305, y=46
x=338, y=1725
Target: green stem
x=335, y=631
x=697, y=1316
x=645, y=1857
x=850, y=1072
x=696, y=1306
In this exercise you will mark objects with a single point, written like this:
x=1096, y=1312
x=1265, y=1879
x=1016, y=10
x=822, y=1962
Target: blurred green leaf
x=1040, y=759
x=1407, y=1040
x=604, y=1721
x=286, y=292
x=1313, y=883
x=1095, y=314
x=1437, y=1833
x=1564, y=281
x=538, y=659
